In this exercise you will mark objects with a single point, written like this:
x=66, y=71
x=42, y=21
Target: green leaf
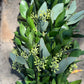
x=59, y=21
x=66, y=27
x=17, y=41
x=55, y=12
x=18, y=82
x=75, y=53
x=22, y=61
x=23, y=8
x=43, y=50
x=53, y=81
x=78, y=36
x=25, y=49
x=31, y=61
x=43, y=9
x=12, y=57
x=31, y=73
x=42, y=26
x=54, y=3
x=31, y=23
x=76, y=17
x=22, y=29
x=67, y=1
x=76, y=82
x=82, y=52
x=76, y=44
x=29, y=11
x=65, y=63
x=71, y=9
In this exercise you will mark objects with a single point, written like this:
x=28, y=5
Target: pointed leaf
x=76, y=82
x=43, y=49
x=42, y=26
x=22, y=29
x=23, y=8
x=12, y=57
x=59, y=21
x=55, y=12
x=31, y=61
x=65, y=63
x=43, y=9
x=76, y=17
x=71, y=9
x=22, y=61
x=17, y=41
x=53, y=81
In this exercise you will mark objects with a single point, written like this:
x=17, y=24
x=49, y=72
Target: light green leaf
x=18, y=82
x=65, y=27
x=31, y=37
x=42, y=26
x=31, y=23
x=25, y=49
x=23, y=8
x=65, y=63
x=76, y=82
x=71, y=9
x=67, y=1
x=22, y=29
x=43, y=50
x=56, y=10
x=17, y=41
x=76, y=20
x=12, y=57
x=22, y=61
x=76, y=44
x=43, y=9
x=53, y=81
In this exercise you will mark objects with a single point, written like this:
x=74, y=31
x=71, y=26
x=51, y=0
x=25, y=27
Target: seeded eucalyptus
x=45, y=50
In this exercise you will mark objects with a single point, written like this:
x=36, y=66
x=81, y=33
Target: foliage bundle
x=45, y=50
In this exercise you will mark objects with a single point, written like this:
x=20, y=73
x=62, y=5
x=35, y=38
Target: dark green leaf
x=31, y=61
x=75, y=53
x=31, y=73
x=54, y=3
x=60, y=19
x=78, y=36
x=30, y=11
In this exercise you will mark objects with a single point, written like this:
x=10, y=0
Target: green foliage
x=55, y=12
x=23, y=8
x=76, y=82
x=45, y=46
